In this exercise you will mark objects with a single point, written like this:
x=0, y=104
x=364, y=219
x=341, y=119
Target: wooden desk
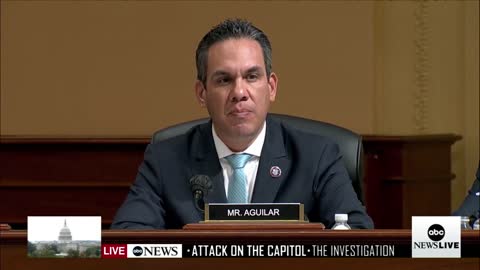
x=13, y=251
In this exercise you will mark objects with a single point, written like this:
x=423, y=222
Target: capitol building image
x=65, y=243
x=65, y=234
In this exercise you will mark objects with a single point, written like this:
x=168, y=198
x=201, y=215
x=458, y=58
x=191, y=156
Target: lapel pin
x=275, y=171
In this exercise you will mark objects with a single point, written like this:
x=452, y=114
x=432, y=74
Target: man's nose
x=239, y=91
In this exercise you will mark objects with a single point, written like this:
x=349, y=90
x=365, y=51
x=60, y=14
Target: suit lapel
x=273, y=157
x=205, y=162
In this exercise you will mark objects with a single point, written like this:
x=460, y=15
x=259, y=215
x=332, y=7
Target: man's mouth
x=240, y=113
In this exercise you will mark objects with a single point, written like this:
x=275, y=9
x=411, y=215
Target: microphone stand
x=198, y=197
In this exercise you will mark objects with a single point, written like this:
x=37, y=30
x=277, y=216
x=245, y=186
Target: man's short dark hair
x=231, y=28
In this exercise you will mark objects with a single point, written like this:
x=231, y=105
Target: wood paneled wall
x=404, y=176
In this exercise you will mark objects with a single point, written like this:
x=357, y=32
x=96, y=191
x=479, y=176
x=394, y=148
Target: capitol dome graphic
x=65, y=233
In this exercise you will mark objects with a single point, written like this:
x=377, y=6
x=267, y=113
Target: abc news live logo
x=141, y=251
x=436, y=237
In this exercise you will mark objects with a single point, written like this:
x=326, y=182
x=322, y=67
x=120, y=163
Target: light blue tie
x=237, y=187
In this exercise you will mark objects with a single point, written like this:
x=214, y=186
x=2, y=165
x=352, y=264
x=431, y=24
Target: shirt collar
x=255, y=149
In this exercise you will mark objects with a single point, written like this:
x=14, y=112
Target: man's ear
x=200, y=93
x=272, y=84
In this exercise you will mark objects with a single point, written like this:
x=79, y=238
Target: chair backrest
x=350, y=143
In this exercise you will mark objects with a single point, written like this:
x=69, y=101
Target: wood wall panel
x=67, y=176
x=407, y=176
x=404, y=176
x=22, y=202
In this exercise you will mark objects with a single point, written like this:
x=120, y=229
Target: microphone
x=200, y=185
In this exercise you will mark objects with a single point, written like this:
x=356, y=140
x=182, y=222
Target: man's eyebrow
x=219, y=73
x=254, y=69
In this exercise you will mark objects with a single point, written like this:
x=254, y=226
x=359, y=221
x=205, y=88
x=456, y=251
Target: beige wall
x=127, y=68
x=111, y=68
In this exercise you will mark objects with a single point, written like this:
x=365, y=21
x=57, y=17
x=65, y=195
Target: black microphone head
x=201, y=183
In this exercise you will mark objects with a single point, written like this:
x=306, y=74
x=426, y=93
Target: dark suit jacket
x=313, y=173
x=471, y=204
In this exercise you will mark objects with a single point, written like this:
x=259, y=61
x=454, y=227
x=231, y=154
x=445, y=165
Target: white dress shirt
x=250, y=169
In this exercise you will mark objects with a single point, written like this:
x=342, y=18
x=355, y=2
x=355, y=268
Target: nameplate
x=254, y=212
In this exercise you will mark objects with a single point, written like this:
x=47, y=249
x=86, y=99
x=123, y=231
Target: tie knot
x=238, y=161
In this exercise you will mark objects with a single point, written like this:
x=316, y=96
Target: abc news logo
x=436, y=233
x=157, y=251
x=436, y=237
x=141, y=251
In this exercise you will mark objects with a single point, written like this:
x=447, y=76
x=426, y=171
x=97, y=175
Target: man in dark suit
x=236, y=85
x=471, y=203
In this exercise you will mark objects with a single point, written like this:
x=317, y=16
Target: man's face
x=237, y=92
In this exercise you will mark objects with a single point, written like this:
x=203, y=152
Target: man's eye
x=223, y=80
x=252, y=77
